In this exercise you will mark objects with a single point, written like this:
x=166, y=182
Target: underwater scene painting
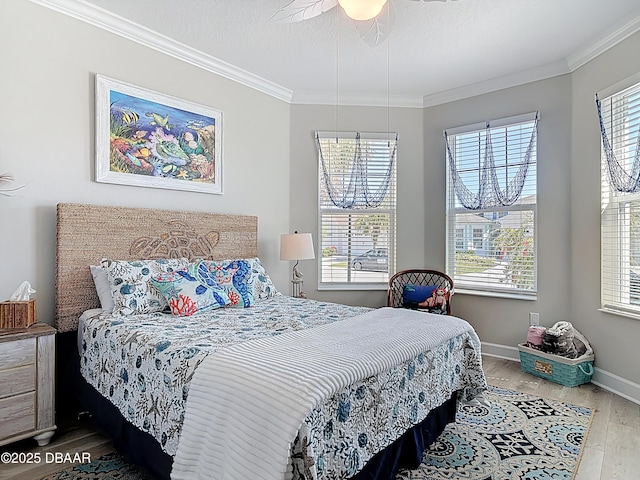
x=151, y=139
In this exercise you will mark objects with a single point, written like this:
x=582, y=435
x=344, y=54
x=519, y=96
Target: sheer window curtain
x=492, y=206
x=619, y=118
x=357, y=209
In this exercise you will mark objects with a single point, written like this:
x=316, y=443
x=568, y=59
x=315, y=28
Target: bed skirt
x=142, y=449
x=138, y=446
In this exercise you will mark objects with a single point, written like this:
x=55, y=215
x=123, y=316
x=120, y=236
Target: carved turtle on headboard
x=181, y=240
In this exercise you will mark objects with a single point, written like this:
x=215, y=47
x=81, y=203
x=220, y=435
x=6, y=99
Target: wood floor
x=612, y=449
x=72, y=436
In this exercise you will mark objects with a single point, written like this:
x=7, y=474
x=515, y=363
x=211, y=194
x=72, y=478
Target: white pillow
x=102, y=287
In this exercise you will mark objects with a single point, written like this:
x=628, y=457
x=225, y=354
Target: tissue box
x=18, y=314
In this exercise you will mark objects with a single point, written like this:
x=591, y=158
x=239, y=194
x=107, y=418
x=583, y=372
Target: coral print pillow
x=234, y=276
x=130, y=284
x=191, y=291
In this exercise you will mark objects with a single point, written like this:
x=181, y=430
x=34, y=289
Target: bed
x=145, y=371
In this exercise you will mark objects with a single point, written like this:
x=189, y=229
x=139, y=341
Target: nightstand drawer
x=17, y=353
x=17, y=414
x=17, y=380
x=27, y=384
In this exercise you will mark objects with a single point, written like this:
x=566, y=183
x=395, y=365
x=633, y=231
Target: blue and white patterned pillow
x=234, y=276
x=261, y=283
x=191, y=291
x=130, y=284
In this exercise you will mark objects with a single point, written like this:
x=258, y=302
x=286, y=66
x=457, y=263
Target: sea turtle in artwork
x=171, y=153
x=181, y=240
x=159, y=120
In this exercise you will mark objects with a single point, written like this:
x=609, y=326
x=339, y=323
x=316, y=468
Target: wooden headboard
x=88, y=233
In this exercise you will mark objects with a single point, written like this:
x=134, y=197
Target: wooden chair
x=418, y=277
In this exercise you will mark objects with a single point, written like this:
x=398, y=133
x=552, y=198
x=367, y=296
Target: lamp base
x=296, y=286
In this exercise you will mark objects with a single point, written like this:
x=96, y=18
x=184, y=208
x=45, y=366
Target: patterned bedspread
x=144, y=365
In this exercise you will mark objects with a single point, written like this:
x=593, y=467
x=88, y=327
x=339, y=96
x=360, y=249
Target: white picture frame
x=149, y=139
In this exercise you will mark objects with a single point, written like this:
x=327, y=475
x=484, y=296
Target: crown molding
x=585, y=55
x=101, y=18
x=346, y=99
x=125, y=28
x=506, y=81
x=572, y=62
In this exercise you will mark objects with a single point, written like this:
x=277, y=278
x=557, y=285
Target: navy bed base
x=142, y=449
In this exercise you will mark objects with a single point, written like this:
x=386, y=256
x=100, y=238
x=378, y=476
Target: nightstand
x=27, y=373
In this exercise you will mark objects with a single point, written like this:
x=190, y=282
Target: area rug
x=515, y=436
x=108, y=467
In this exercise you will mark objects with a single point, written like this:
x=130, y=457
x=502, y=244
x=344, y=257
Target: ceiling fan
x=372, y=21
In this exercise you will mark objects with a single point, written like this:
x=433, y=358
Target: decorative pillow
x=260, y=281
x=131, y=289
x=191, y=291
x=103, y=288
x=234, y=276
x=413, y=295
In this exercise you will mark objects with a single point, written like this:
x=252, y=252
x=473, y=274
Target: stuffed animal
x=438, y=299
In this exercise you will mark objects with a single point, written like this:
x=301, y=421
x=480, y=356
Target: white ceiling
x=437, y=49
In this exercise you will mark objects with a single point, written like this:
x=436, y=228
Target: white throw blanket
x=247, y=402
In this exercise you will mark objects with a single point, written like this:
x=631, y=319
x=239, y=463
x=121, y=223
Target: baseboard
x=607, y=380
x=500, y=351
x=615, y=384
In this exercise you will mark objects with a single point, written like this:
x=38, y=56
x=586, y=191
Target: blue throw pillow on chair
x=412, y=295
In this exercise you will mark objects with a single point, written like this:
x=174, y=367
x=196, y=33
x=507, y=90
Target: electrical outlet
x=534, y=319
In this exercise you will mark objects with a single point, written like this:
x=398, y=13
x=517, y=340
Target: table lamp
x=296, y=246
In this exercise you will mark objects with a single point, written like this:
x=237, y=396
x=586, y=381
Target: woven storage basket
x=569, y=372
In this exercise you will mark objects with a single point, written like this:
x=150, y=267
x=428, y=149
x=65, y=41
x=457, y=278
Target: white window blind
x=357, y=209
x=492, y=246
x=620, y=212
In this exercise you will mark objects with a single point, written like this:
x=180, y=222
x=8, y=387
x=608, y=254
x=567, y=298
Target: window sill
x=620, y=313
x=479, y=293
x=355, y=286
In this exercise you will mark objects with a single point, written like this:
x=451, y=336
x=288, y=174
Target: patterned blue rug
x=108, y=467
x=518, y=437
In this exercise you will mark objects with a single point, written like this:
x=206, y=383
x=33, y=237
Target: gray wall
x=500, y=320
x=568, y=211
x=47, y=66
x=616, y=339
x=407, y=122
x=568, y=205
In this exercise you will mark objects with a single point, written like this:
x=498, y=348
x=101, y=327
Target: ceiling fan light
x=362, y=9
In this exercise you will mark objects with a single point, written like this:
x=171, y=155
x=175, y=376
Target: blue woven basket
x=569, y=372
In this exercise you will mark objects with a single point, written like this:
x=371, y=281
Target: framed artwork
x=149, y=139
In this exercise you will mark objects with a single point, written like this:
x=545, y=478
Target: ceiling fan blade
x=299, y=10
x=376, y=30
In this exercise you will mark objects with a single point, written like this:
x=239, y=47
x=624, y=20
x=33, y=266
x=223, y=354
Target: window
x=491, y=206
x=459, y=238
x=357, y=209
x=620, y=211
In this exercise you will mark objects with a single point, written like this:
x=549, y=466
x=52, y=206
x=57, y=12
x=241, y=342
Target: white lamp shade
x=362, y=9
x=296, y=246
